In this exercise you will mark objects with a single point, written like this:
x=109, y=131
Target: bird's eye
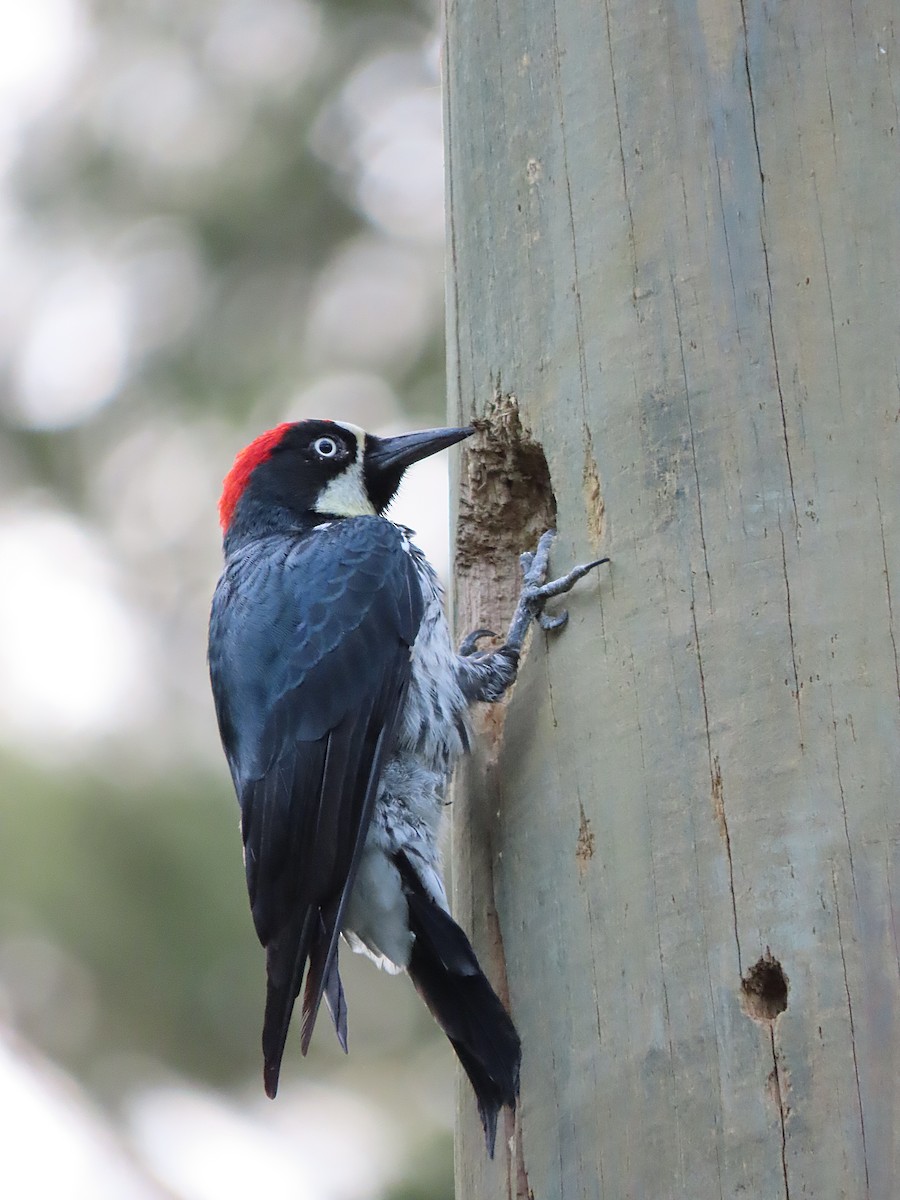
x=326, y=447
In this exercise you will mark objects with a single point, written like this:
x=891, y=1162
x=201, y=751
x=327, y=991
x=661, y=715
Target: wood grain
x=674, y=236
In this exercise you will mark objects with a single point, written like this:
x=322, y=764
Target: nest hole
x=506, y=503
x=764, y=989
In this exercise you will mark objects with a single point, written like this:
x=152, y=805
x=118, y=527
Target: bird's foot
x=537, y=590
x=469, y=644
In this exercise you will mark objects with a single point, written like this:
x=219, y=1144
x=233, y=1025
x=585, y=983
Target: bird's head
x=326, y=468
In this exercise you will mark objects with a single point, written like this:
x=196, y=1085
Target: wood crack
x=779, y=1093
x=887, y=585
x=576, y=284
x=515, y=1167
x=715, y=779
x=687, y=403
x=834, y=341
x=737, y=322
x=454, y=273
x=765, y=252
x=790, y=624
x=862, y=1120
x=615, y=93
x=840, y=783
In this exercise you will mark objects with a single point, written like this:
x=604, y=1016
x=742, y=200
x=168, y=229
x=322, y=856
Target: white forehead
x=359, y=434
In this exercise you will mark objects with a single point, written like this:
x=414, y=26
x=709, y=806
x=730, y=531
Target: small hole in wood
x=764, y=989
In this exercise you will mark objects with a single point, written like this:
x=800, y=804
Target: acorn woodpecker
x=342, y=708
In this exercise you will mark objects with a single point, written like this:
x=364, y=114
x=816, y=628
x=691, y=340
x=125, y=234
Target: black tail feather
x=323, y=979
x=286, y=957
x=337, y=1004
x=447, y=976
x=286, y=961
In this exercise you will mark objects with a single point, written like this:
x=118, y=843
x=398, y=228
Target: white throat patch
x=346, y=496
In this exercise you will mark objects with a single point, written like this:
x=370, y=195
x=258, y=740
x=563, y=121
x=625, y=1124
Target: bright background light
x=213, y=217
x=70, y=652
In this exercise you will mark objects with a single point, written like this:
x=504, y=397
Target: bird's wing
x=310, y=680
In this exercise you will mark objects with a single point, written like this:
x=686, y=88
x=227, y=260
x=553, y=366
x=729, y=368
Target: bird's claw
x=469, y=644
x=548, y=623
x=534, y=569
x=537, y=590
x=557, y=587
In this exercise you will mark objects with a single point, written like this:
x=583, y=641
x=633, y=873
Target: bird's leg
x=486, y=676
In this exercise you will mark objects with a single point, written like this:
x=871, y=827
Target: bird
x=342, y=707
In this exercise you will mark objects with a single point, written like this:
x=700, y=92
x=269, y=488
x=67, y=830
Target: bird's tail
x=309, y=939
x=447, y=976
x=286, y=958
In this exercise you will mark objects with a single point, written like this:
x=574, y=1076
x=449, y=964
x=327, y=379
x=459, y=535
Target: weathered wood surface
x=675, y=237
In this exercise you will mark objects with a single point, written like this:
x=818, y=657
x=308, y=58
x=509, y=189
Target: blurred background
x=215, y=215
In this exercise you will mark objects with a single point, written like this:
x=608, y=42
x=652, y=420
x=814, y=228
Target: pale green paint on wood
x=675, y=232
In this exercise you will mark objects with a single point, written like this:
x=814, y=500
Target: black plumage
x=314, y=640
x=448, y=977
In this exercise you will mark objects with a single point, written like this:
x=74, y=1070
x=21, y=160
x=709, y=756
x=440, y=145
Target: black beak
x=385, y=459
x=394, y=455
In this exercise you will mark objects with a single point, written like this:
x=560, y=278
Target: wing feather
x=312, y=670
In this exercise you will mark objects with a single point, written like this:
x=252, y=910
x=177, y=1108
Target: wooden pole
x=674, y=302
